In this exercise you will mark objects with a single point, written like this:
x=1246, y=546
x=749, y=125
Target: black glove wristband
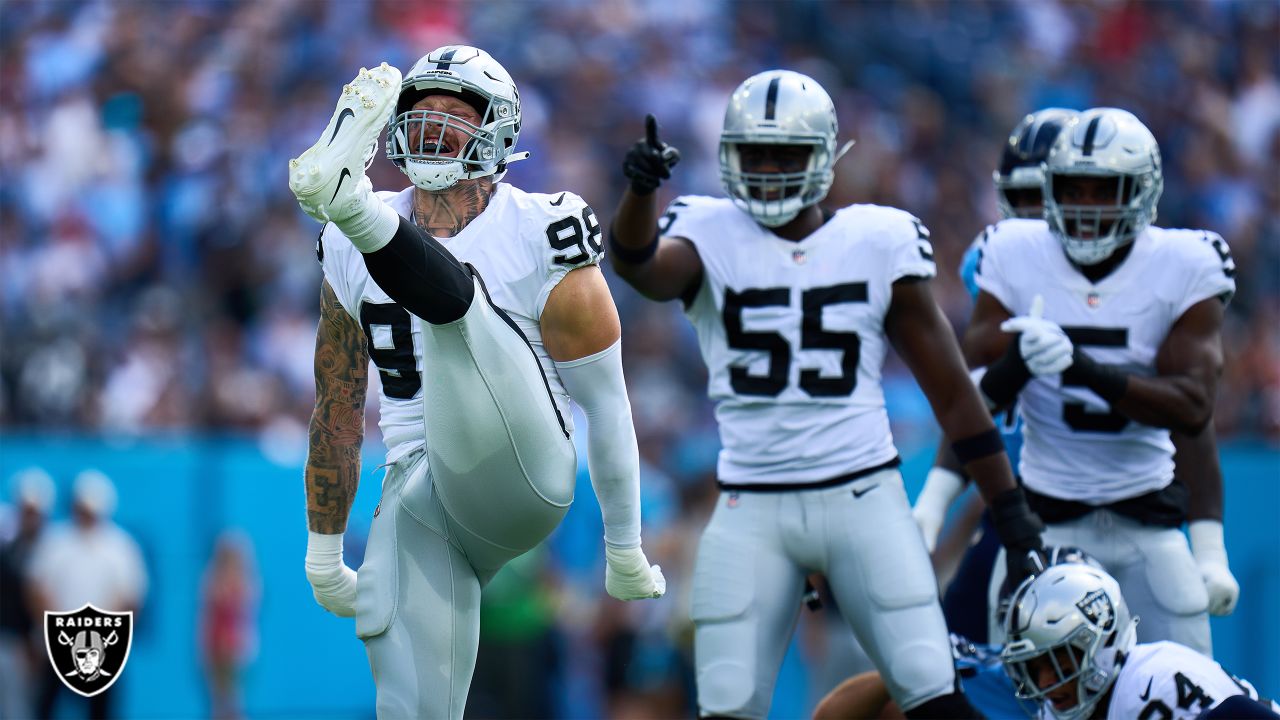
x=1006, y=377
x=632, y=256
x=976, y=447
x=1108, y=382
x=1017, y=526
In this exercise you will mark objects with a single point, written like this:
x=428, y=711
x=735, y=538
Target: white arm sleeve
x=596, y=383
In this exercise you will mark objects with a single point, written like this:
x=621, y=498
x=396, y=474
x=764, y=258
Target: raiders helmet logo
x=1096, y=606
x=88, y=647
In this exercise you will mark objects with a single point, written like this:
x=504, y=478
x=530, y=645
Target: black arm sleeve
x=1006, y=377
x=422, y=275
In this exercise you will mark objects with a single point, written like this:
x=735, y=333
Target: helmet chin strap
x=438, y=175
x=848, y=145
x=500, y=169
x=516, y=157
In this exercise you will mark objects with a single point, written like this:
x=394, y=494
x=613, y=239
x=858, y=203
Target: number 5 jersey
x=792, y=334
x=523, y=244
x=1075, y=447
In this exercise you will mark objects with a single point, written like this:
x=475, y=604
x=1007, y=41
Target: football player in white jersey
x=1106, y=328
x=794, y=308
x=1072, y=647
x=484, y=309
x=1017, y=179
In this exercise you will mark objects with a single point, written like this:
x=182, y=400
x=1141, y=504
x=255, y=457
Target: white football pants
x=496, y=478
x=749, y=578
x=1154, y=567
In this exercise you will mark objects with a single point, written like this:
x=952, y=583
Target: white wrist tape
x=332, y=583
x=597, y=384
x=941, y=488
x=370, y=229
x=1207, y=542
x=323, y=551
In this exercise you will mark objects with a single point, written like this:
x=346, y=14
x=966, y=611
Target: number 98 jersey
x=523, y=244
x=793, y=335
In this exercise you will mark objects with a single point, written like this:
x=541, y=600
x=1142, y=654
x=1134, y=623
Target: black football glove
x=649, y=161
x=1019, y=529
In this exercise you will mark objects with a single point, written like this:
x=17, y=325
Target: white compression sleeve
x=596, y=383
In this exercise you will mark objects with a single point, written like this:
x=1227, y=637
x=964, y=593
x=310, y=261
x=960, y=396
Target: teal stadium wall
x=178, y=494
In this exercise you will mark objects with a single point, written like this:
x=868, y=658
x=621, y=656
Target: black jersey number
x=1224, y=253
x=812, y=337
x=396, y=364
x=575, y=244
x=1076, y=415
x=1189, y=693
x=669, y=218
x=1156, y=710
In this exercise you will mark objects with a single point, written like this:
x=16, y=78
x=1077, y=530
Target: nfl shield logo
x=798, y=257
x=88, y=647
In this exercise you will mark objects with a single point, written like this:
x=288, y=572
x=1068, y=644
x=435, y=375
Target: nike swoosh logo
x=1146, y=693
x=346, y=113
x=864, y=491
x=346, y=173
x=558, y=200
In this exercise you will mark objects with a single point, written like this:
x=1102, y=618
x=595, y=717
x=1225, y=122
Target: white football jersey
x=1173, y=682
x=523, y=244
x=793, y=335
x=1075, y=447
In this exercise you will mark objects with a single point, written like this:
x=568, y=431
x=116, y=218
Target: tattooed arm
x=333, y=453
x=337, y=422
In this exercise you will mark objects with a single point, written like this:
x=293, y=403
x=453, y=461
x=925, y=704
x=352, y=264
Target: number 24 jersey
x=1168, y=681
x=523, y=245
x=792, y=334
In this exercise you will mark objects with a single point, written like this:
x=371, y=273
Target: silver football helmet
x=779, y=107
x=415, y=138
x=1105, y=143
x=1019, y=179
x=1068, y=623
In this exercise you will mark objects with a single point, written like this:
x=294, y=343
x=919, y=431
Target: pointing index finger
x=1037, y=307
x=651, y=131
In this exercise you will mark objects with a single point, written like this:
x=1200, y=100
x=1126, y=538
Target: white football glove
x=332, y=583
x=1211, y=557
x=941, y=488
x=628, y=575
x=1045, y=348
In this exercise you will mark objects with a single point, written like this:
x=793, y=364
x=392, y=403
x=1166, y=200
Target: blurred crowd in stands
x=156, y=275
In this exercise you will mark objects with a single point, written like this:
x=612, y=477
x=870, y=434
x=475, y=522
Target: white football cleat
x=328, y=179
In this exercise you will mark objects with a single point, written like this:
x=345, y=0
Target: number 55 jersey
x=522, y=245
x=1075, y=446
x=793, y=336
